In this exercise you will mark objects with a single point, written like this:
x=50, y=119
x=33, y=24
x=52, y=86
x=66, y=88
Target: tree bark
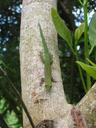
x=42, y=105
x=88, y=107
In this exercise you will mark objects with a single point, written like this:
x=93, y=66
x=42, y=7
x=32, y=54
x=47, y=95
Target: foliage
x=9, y=54
x=92, y=32
x=90, y=69
x=62, y=29
x=9, y=116
x=61, y=24
x=78, y=33
x=64, y=32
x=8, y=112
x=18, y=96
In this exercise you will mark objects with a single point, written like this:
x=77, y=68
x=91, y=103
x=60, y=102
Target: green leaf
x=92, y=32
x=91, y=70
x=93, y=64
x=12, y=120
x=3, y=105
x=9, y=117
x=85, y=2
x=61, y=28
x=81, y=2
x=78, y=32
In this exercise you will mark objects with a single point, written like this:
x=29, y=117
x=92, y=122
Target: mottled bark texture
x=42, y=105
x=88, y=107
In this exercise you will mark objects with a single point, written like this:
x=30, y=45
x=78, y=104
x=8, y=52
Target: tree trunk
x=42, y=105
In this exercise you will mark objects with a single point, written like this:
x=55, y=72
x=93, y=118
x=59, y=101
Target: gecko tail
x=48, y=87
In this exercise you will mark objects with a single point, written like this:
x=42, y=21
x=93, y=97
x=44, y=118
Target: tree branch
x=88, y=107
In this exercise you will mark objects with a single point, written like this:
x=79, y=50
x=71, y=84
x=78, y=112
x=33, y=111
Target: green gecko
x=47, y=60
